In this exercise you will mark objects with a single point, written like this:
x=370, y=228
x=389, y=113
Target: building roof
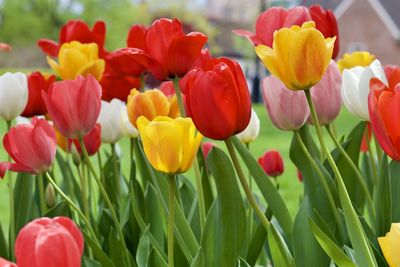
x=327, y=4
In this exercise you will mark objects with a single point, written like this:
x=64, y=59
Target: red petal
x=49, y=47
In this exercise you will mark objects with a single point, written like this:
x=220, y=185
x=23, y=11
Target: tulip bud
x=110, y=120
x=272, y=163
x=287, y=109
x=50, y=196
x=13, y=95
x=252, y=130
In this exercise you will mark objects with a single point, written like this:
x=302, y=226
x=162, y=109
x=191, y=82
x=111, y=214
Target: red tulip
x=384, y=112
x=32, y=146
x=116, y=85
x=74, y=105
x=205, y=56
x=76, y=30
x=206, y=148
x=5, y=263
x=36, y=84
x=56, y=242
x=6, y=48
x=272, y=163
x=137, y=37
x=217, y=98
x=129, y=61
x=92, y=141
x=173, y=52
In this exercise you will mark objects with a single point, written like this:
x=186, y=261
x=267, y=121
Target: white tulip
x=355, y=87
x=110, y=121
x=126, y=125
x=13, y=95
x=252, y=130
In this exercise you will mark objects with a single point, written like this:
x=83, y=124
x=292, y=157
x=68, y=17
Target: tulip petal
x=49, y=47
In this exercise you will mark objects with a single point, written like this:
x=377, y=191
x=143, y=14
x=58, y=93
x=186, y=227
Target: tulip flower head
x=357, y=58
x=355, y=87
x=287, y=109
x=75, y=59
x=299, y=56
x=219, y=91
x=32, y=147
x=92, y=142
x=50, y=242
x=252, y=130
x=74, y=105
x=390, y=244
x=383, y=106
x=13, y=95
x=272, y=163
x=206, y=148
x=126, y=126
x=169, y=144
x=110, y=119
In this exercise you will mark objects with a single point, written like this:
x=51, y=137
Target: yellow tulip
x=390, y=245
x=76, y=59
x=299, y=55
x=151, y=103
x=169, y=144
x=174, y=107
x=357, y=58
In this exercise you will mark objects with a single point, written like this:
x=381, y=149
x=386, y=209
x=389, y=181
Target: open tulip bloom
x=154, y=199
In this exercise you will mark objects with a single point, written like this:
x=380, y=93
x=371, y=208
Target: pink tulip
x=326, y=95
x=287, y=109
x=5, y=263
x=206, y=148
x=32, y=146
x=74, y=105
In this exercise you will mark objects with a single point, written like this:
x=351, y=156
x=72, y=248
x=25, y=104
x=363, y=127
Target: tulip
x=13, y=95
x=217, y=98
x=55, y=242
x=390, y=244
x=206, y=148
x=127, y=127
x=272, y=163
x=129, y=61
x=137, y=37
x=355, y=87
x=287, y=109
x=168, y=89
x=383, y=103
x=326, y=95
x=76, y=30
x=74, y=105
x=5, y=263
x=116, y=85
x=252, y=130
x=151, y=103
x=205, y=56
x=172, y=51
x=169, y=144
x=5, y=47
x=299, y=57
x=357, y=58
x=110, y=119
x=92, y=142
x=32, y=147
x=37, y=82
x=76, y=59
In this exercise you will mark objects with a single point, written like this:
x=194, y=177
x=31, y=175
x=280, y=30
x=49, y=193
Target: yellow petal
x=95, y=68
x=390, y=245
x=71, y=60
x=54, y=65
x=267, y=56
x=357, y=58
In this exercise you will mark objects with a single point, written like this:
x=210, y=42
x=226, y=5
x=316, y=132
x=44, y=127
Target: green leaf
x=243, y=263
x=153, y=211
x=3, y=244
x=69, y=184
x=382, y=200
x=91, y=263
x=143, y=250
x=61, y=209
x=199, y=260
x=225, y=227
x=337, y=255
x=23, y=194
x=256, y=244
x=394, y=169
x=267, y=188
x=281, y=256
x=98, y=252
x=205, y=181
x=155, y=260
x=117, y=250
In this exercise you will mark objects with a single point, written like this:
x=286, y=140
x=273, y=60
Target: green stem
x=42, y=199
x=115, y=170
x=378, y=150
x=171, y=213
x=251, y=212
x=245, y=185
x=74, y=207
x=359, y=177
x=105, y=197
x=372, y=161
x=179, y=97
x=12, y=209
x=100, y=166
x=83, y=190
x=357, y=237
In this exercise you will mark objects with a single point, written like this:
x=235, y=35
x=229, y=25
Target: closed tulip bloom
x=252, y=130
x=50, y=242
x=32, y=147
x=115, y=85
x=299, y=56
x=92, y=142
x=110, y=119
x=76, y=30
x=172, y=51
x=169, y=144
x=37, y=82
x=151, y=103
x=357, y=58
x=74, y=105
x=390, y=245
x=383, y=106
x=355, y=87
x=13, y=95
x=217, y=98
x=76, y=59
x=287, y=109
x=326, y=95
x=272, y=163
